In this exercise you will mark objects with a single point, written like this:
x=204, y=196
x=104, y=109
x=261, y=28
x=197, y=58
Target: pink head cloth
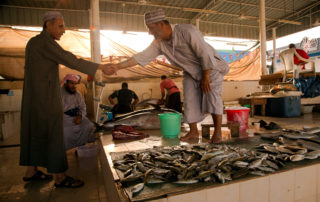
x=71, y=77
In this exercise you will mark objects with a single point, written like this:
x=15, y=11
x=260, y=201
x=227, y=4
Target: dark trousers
x=174, y=102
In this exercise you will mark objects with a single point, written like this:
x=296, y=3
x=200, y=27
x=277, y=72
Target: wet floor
x=12, y=188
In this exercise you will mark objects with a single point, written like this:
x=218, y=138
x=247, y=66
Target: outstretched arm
x=128, y=63
x=122, y=65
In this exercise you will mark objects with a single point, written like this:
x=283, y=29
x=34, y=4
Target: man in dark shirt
x=124, y=97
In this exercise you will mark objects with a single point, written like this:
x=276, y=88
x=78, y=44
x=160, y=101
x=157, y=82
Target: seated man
x=77, y=128
x=302, y=53
x=173, y=100
x=125, y=97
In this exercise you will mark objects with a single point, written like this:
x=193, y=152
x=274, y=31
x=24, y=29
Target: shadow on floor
x=13, y=188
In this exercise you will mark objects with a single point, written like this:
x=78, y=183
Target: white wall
x=11, y=102
x=150, y=88
x=233, y=90
x=9, y=124
x=10, y=106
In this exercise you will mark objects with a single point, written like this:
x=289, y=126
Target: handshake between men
x=110, y=69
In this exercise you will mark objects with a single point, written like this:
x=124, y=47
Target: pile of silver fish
x=189, y=164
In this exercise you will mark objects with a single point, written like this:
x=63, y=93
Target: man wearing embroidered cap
x=41, y=112
x=154, y=17
x=203, y=69
x=77, y=128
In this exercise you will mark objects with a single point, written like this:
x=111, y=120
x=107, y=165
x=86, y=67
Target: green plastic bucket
x=170, y=124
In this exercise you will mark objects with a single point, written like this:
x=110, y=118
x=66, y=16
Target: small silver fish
x=122, y=167
x=314, y=130
x=271, y=148
x=210, y=155
x=312, y=155
x=141, y=167
x=271, y=164
x=204, y=174
x=255, y=163
x=266, y=169
x=241, y=164
x=192, y=181
x=222, y=177
x=299, y=136
x=137, y=189
x=283, y=149
x=258, y=173
x=309, y=145
x=287, y=141
x=296, y=157
x=153, y=180
x=132, y=177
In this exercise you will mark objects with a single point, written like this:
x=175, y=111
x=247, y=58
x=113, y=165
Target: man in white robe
x=203, y=69
x=77, y=128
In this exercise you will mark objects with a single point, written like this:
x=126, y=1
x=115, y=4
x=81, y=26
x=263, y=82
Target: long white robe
x=75, y=134
x=187, y=49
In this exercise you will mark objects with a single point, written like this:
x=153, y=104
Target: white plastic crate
x=87, y=150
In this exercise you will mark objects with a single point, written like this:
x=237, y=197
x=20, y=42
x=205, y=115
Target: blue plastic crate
x=284, y=106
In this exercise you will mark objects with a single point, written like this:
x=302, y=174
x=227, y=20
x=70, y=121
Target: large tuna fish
x=140, y=119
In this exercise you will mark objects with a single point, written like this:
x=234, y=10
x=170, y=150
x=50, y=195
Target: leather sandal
x=38, y=176
x=272, y=126
x=70, y=182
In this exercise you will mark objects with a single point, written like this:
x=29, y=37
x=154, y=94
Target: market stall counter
x=296, y=181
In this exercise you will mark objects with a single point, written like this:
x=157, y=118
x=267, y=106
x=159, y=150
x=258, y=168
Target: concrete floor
x=12, y=188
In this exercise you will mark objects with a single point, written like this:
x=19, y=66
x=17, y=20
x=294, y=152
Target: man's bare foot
x=191, y=135
x=216, y=138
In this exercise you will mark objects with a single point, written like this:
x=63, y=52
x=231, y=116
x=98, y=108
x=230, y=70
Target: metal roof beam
x=287, y=17
x=231, y=24
x=207, y=8
x=140, y=4
x=255, y=5
x=43, y=8
x=200, y=11
x=113, y=12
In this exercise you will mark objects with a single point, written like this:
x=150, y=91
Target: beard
x=70, y=90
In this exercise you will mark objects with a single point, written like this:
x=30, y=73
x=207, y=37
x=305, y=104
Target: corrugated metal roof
x=228, y=18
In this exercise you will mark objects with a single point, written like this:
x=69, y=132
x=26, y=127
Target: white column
x=274, y=38
x=263, y=48
x=94, y=20
x=95, y=31
x=198, y=23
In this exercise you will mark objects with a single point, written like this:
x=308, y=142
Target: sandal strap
x=69, y=182
x=39, y=175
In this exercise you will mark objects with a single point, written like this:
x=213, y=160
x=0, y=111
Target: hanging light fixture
x=289, y=22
